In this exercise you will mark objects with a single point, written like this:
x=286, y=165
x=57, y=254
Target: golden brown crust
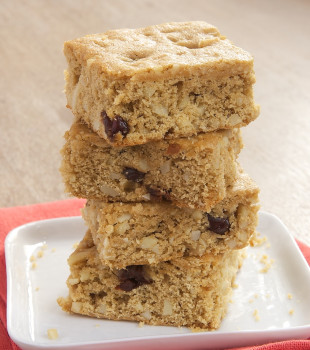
x=161, y=52
x=166, y=81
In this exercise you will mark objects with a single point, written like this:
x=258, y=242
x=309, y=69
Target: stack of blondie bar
x=154, y=149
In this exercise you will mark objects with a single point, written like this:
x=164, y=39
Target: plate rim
x=259, y=334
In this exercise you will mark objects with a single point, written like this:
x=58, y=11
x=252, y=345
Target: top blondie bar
x=132, y=86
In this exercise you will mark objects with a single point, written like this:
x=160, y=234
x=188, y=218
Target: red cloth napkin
x=13, y=217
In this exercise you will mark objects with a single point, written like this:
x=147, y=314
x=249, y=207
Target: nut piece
x=109, y=229
x=160, y=110
x=155, y=249
x=73, y=281
x=165, y=168
x=197, y=215
x=202, y=247
x=84, y=276
x=108, y=191
x=231, y=243
x=122, y=228
x=77, y=257
x=101, y=308
x=146, y=314
x=76, y=306
x=115, y=176
x=167, y=310
x=143, y=165
x=148, y=242
x=146, y=197
x=124, y=217
x=195, y=235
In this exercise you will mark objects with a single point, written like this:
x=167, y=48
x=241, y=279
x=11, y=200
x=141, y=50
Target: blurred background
x=32, y=104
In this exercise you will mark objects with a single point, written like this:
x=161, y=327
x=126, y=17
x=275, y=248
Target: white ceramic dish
x=281, y=296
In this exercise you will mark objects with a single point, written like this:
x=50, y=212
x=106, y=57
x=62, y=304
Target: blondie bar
x=172, y=80
x=190, y=172
x=191, y=292
x=149, y=233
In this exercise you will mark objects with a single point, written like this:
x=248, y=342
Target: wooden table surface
x=34, y=118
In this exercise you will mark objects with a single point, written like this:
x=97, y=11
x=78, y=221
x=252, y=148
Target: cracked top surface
x=168, y=48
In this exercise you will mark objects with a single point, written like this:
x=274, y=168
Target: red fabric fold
x=13, y=217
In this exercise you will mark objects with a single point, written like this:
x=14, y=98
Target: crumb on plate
x=267, y=262
x=52, y=333
x=256, y=315
x=258, y=241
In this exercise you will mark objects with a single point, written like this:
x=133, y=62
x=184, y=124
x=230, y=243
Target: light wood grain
x=34, y=118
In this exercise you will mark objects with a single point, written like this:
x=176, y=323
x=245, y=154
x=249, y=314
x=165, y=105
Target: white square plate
x=265, y=307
